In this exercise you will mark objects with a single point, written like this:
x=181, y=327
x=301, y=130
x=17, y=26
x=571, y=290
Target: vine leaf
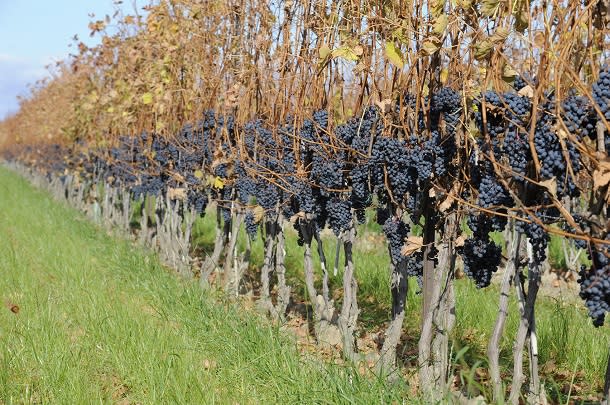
x=147, y=98
x=176, y=193
x=527, y=91
x=508, y=73
x=601, y=176
x=431, y=45
x=490, y=7
x=550, y=185
x=324, y=52
x=446, y=204
x=412, y=245
x=259, y=213
x=459, y=241
x=394, y=55
x=346, y=52
x=483, y=49
x=296, y=217
x=384, y=105
x=440, y=25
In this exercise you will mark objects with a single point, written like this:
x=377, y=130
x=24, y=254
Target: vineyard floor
x=87, y=317
x=572, y=353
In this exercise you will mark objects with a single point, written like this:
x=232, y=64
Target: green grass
x=99, y=321
x=102, y=321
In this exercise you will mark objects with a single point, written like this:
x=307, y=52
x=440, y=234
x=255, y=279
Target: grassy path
x=85, y=318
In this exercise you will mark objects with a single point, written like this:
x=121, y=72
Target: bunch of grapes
x=595, y=283
x=250, y=224
x=339, y=214
x=481, y=259
x=396, y=231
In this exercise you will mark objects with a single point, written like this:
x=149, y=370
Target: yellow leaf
x=345, y=52
x=440, y=25
x=500, y=35
x=490, y=7
x=198, y=174
x=444, y=75
x=394, y=55
x=147, y=98
x=430, y=47
x=218, y=183
x=324, y=51
x=483, y=49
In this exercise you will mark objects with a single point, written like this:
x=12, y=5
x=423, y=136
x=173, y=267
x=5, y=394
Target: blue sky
x=34, y=33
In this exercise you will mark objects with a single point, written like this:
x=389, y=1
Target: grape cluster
x=595, y=283
x=480, y=254
x=601, y=91
x=578, y=116
x=551, y=154
x=481, y=259
x=516, y=149
x=250, y=224
x=601, y=97
x=396, y=231
x=494, y=195
x=539, y=239
x=339, y=215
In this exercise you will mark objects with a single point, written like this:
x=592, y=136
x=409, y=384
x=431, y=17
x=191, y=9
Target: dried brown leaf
x=527, y=91
x=601, y=176
x=176, y=193
x=259, y=213
x=296, y=217
x=550, y=185
x=412, y=245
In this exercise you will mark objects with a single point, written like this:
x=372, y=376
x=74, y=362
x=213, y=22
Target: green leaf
x=394, y=55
